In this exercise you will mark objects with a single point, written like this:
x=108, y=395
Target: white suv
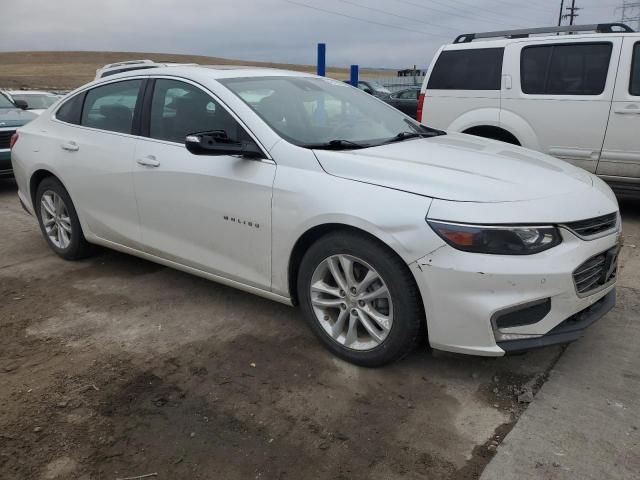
x=572, y=95
x=307, y=191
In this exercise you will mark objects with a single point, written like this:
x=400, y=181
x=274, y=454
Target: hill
x=67, y=70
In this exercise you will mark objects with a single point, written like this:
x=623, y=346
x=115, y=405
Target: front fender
x=305, y=199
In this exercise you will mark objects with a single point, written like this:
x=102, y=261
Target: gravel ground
x=115, y=367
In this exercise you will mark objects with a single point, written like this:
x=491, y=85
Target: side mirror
x=217, y=142
x=21, y=104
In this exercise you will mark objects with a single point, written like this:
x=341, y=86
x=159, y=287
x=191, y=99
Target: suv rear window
x=470, y=69
x=565, y=69
x=634, y=86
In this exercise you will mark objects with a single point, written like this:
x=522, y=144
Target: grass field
x=66, y=70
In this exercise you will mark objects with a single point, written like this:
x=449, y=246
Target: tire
x=73, y=245
x=400, y=314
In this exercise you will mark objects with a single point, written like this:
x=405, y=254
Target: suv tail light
x=14, y=139
x=420, y=106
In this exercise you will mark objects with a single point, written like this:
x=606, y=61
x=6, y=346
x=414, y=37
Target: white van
x=558, y=90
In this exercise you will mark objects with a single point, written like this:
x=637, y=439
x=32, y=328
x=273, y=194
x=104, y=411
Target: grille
x=597, y=271
x=594, y=226
x=5, y=138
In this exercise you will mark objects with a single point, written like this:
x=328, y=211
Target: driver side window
x=179, y=109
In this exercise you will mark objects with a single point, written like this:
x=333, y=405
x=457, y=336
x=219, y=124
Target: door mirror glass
x=217, y=142
x=21, y=104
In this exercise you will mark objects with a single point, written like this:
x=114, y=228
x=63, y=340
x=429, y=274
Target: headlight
x=499, y=239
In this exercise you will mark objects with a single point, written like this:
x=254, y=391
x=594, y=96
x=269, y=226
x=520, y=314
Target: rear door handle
x=149, y=161
x=632, y=109
x=70, y=146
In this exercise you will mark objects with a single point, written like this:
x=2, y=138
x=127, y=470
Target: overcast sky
x=374, y=33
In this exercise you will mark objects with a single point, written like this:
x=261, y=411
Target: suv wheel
x=58, y=220
x=360, y=299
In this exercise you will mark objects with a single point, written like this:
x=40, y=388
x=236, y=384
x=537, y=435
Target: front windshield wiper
x=337, y=144
x=426, y=132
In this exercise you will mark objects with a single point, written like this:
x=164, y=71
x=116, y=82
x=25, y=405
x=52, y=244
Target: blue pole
x=322, y=59
x=354, y=75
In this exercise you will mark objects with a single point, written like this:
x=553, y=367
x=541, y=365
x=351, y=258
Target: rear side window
x=634, y=86
x=110, y=107
x=568, y=69
x=71, y=110
x=470, y=69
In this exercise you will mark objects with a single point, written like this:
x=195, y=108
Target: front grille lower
x=599, y=270
x=5, y=138
x=593, y=226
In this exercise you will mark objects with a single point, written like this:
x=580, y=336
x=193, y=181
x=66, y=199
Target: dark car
x=12, y=116
x=372, y=88
x=405, y=100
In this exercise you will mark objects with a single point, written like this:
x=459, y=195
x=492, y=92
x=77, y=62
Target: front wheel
x=360, y=299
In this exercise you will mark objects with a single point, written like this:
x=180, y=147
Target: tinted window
x=179, y=109
x=111, y=107
x=71, y=110
x=577, y=69
x=471, y=69
x=634, y=87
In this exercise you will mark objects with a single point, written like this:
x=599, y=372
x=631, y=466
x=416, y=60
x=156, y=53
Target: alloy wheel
x=55, y=218
x=351, y=302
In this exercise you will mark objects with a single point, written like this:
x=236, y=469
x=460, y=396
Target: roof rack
x=127, y=62
x=524, y=33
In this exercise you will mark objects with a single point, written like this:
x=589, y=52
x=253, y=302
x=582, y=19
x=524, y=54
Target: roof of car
x=211, y=71
x=501, y=42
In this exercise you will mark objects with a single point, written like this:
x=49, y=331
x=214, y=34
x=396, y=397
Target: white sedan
x=34, y=100
x=310, y=192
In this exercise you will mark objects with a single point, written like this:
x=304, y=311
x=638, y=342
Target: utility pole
x=630, y=13
x=561, y=10
x=573, y=9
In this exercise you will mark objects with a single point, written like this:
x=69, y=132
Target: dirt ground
x=115, y=367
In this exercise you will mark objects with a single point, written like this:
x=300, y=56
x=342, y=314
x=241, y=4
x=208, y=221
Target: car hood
x=458, y=167
x=14, y=117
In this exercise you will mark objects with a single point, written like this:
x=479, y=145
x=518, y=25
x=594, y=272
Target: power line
x=373, y=22
x=630, y=12
x=472, y=16
x=464, y=14
x=386, y=12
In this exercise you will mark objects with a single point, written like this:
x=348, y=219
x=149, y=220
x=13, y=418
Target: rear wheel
x=59, y=221
x=360, y=299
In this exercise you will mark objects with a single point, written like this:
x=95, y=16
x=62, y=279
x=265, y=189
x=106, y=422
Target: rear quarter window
x=565, y=69
x=71, y=110
x=470, y=69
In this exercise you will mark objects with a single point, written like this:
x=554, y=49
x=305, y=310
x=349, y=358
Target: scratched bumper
x=463, y=291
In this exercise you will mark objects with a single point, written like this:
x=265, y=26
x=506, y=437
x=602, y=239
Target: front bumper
x=462, y=292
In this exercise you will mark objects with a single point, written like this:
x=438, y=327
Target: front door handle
x=70, y=146
x=149, y=161
x=631, y=109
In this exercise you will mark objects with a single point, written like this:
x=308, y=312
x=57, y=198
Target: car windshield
x=5, y=103
x=36, y=100
x=323, y=113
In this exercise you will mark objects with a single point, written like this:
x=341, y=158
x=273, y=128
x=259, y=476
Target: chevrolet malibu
x=309, y=192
